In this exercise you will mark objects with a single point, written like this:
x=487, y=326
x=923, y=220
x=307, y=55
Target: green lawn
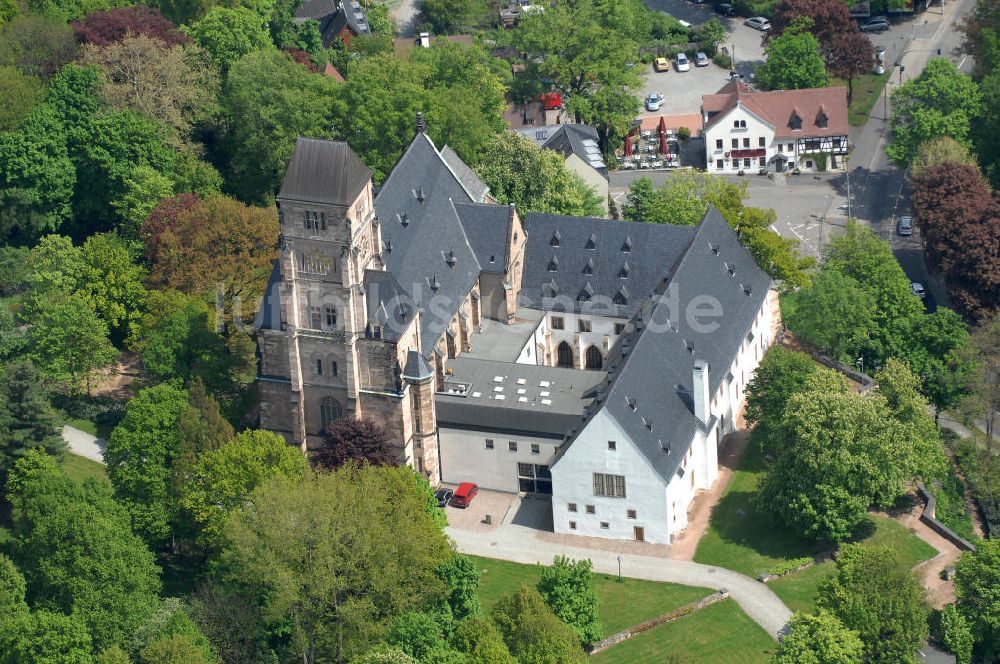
x=80, y=468
x=867, y=89
x=740, y=537
x=719, y=633
x=89, y=426
x=799, y=590
x=622, y=604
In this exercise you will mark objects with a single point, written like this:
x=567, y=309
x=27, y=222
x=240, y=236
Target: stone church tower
x=338, y=336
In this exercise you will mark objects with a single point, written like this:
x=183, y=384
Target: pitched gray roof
x=425, y=246
x=269, y=315
x=324, y=172
x=567, y=393
x=390, y=307
x=475, y=187
x=486, y=227
x=578, y=139
x=416, y=366
x=651, y=368
x=566, y=255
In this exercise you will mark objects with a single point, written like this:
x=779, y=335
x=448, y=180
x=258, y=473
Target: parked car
x=684, y=24
x=464, y=494
x=661, y=64
x=905, y=225
x=698, y=2
x=877, y=24
x=653, y=101
x=725, y=9
x=443, y=496
x=759, y=23
x=683, y=64
x=700, y=59
x=918, y=290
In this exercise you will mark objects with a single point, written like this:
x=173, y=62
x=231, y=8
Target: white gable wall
x=723, y=129
x=572, y=482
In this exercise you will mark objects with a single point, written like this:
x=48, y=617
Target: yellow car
x=661, y=64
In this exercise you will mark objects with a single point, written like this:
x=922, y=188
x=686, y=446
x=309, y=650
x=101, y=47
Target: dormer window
x=589, y=267
x=623, y=273
x=795, y=121
x=627, y=245
x=554, y=242
x=554, y=264
x=586, y=293
x=592, y=241
x=450, y=259
x=621, y=297
x=821, y=119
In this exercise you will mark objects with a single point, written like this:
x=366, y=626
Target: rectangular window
x=762, y=162
x=590, y=509
x=571, y=507
x=333, y=368
x=415, y=409
x=781, y=147
x=791, y=147
x=746, y=162
x=630, y=514
x=718, y=144
x=719, y=164
x=512, y=445
x=312, y=220
x=489, y=443
x=604, y=525
x=535, y=449
x=619, y=328
x=761, y=142
x=319, y=367
x=583, y=325
x=572, y=525
x=612, y=445
x=746, y=142
x=612, y=486
x=557, y=323
x=331, y=316
x=314, y=317
x=736, y=143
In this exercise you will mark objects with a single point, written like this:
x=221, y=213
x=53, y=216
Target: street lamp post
x=861, y=364
x=619, y=569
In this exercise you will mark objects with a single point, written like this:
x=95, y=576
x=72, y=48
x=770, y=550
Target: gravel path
x=522, y=545
x=84, y=444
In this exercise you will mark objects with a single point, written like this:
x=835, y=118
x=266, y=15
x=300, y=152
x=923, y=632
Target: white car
x=683, y=64
x=759, y=23
x=653, y=101
x=918, y=290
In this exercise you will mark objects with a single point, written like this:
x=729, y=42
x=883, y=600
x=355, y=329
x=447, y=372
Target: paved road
x=521, y=544
x=84, y=444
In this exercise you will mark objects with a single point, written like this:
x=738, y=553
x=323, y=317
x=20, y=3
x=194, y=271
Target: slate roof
x=651, y=368
x=416, y=366
x=424, y=243
x=776, y=107
x=487, y=229
x=567, y=393
x=474, y=187
x=332, y=16
x=581, y=140
x=325, y=172
x=389, y=305
x=625, y=254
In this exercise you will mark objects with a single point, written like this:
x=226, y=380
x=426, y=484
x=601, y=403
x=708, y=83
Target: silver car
x=653, y=101
x=759, y=23
x=905, y=225
x=700, y=59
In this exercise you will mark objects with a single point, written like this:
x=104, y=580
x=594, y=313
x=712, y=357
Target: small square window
x=719, y=164
x=604, y=525
x=583, y=325
x=512, y=445
x=612, y=445
x=571, y=507
x=761, y=142
x=718, y=144
x=572, y=525
x=535, y=449
x=746, y=162
x=631, y=514
x=591, y=510
x=619, y=328
x=489, y=443
x=557, y=323
x=746, y=142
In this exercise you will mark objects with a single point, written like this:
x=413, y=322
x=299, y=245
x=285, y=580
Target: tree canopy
x=793, y=60
x=818, y=639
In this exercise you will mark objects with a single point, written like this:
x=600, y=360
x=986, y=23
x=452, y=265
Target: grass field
x=718, y=633
x=621, y=604
x=867, y=89
x=90, y=427
x=740, y=537
x=80, y=468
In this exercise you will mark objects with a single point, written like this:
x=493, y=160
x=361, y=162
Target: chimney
x=701, y=398
x=421, y=126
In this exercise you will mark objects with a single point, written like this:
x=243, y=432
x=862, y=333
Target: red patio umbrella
x=663, y=126
x=628, y=146
x=664, y=149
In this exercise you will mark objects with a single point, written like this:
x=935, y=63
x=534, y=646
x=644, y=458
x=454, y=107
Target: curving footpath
x=520, y=545
x=84, y=444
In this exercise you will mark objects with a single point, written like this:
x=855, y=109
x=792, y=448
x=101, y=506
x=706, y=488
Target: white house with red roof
x=745, y=129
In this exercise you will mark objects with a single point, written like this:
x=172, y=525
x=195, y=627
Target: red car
x=464, y=494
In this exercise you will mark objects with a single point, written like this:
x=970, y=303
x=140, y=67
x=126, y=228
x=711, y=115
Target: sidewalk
x=523, y=545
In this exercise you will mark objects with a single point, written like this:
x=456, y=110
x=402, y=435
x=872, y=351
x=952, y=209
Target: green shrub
x=789, y=566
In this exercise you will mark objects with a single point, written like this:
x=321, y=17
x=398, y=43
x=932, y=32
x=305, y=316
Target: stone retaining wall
x=679, y=612
x=928, y=517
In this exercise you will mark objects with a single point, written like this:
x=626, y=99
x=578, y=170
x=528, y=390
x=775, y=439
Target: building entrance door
x=534, y=478
x=640, y=533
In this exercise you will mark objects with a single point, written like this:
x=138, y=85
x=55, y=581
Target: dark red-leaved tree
x=976, y=275
x=949, y=200
x=161, y=219
x=849, y=54
x=830, y=18
x=360, y=441
x=303, y=58
x=107, y=27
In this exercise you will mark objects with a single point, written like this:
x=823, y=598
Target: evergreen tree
x=27, y=419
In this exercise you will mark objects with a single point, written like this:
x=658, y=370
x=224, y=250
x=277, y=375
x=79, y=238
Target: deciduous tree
x=877, y=596
x=984, y=397
x=449, y=16
x=849, y=55
x=834, y=313
x=829, y=18
x=818, y=639
x=532, y=632
x=481, y=641
x=350, y=440
x=947, y=199
x=335, y=556
x=37, y=45
x=940, y=102
x=781, y=374
x=567, y=586
x=69, y=342
x=227, y=34
x=956, y=634
x=977, y=587
x=461, y=575
x=102, y=28
x=21, y=93
x=44, y=636
x=793, y=60
x=940, y=150
x=113, y=283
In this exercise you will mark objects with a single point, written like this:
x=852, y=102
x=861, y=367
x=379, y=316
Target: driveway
x=526, y=544
x=682, y=91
